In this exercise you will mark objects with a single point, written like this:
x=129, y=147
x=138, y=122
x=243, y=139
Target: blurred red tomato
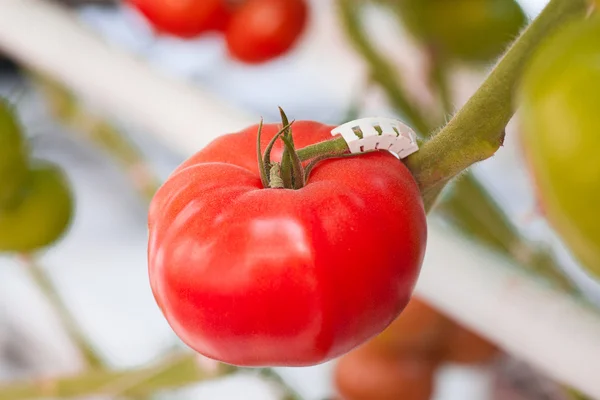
x=419, y=328
x=365, y=374
x=261, y=30
x=184, y=18
x=465, y=347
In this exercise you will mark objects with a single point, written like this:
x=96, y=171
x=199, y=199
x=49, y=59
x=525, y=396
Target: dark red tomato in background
x=261, y=30
x=366, y=374
x=253, y=277
x=184, y=18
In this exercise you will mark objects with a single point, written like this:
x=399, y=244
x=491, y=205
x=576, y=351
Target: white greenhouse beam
x=49, y=39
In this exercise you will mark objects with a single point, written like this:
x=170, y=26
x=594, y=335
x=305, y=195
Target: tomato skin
x=40, y=215
x=261, y=30
x=367, y=375
x=558, y=100
x=184, y=18
x=252, y=276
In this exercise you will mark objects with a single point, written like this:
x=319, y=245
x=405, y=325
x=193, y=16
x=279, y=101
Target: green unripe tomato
x=13, y=153
x=42, y=213
x=560, y=114
x=468, y=30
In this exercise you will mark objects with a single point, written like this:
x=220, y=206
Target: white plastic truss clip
x=367, y=134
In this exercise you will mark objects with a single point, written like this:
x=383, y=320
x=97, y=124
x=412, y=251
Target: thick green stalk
x=477, y=131
x=328, y=147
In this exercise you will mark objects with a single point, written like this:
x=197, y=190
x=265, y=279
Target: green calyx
x=290, y=173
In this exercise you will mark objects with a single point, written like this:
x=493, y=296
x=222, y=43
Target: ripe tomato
x=419, y=329
x=40, y=215
x=465, y=347
x=261, y=30
x=252, y=276
x=13, y=154
x=468, y=30
x=559, y=100
x=184, y=18
x=367, y=375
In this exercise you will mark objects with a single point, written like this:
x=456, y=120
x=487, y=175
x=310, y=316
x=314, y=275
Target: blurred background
x=84, y=304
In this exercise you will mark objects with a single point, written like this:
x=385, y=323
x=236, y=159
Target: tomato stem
x=326, y=148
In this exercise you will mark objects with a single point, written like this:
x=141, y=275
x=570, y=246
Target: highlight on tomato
x=254, y=266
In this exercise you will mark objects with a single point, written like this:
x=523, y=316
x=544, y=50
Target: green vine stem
x=42, y=281
x=477, y=131
x=174, y=372
x=67, y=109
x=438, y=80
x=329, y=147
x=382, y=71
x=482, y=219
x=469, y=205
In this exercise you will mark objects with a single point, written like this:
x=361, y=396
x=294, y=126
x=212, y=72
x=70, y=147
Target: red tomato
x=253, y=276
x=419, y=329
x=466, y=347
x=367, y=375
x=261, y=30
x=184, y=18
